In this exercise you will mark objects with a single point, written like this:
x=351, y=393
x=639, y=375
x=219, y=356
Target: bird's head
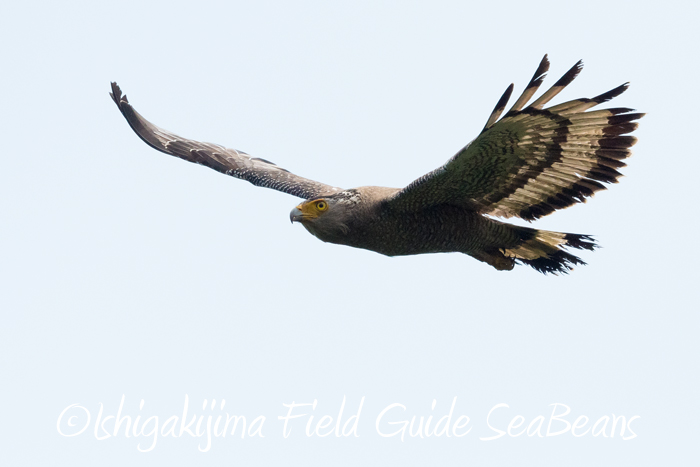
x=310, y=210
x=326, y=217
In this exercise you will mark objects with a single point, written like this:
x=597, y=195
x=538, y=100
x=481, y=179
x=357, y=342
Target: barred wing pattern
x=532, y=161
x=231, y=162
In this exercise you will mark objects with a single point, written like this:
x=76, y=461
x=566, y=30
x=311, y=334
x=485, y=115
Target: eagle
x=527, y=164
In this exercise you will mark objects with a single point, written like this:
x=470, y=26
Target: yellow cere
x=313, y=209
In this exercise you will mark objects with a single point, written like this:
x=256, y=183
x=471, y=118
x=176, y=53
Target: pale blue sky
x=128, y=272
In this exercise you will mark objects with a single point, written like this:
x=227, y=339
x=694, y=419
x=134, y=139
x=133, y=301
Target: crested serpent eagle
x=528, y=164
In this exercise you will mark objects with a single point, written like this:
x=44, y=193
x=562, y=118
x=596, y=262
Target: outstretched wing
x=532, y=161
x=238, y=164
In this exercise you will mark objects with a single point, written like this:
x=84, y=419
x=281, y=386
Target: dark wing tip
x=606, y=96
x=117, y=96
x=570, y=75
x=142, y=127
x=540, y=74
x=542, y=69
x=500, y=106
x=581, y=242
x=532, y=86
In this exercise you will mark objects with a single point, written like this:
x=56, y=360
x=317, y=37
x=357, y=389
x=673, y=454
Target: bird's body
x=527, y=164
x=368, y=222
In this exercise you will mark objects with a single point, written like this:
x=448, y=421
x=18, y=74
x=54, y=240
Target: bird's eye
x=321, y=206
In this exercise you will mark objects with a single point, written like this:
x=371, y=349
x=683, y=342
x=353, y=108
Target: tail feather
x=544, y=250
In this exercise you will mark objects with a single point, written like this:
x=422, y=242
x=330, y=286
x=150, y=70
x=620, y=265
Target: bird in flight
x=528, y=164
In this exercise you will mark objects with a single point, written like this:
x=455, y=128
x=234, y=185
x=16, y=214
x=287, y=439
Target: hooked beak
x=295, y=215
